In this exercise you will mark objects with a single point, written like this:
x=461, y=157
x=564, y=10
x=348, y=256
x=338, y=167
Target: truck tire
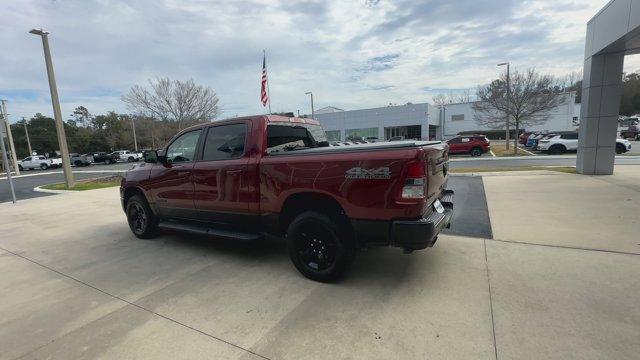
x=142, y=221
x=44, y=166
x=476, y=151
x=318, y=247
x=130, y=159
x=620, y=149
x=20, y=167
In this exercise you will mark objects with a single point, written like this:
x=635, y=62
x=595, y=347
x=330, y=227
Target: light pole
x=508, y=103
x=12, y=147
x=5, y=160
x=26, y=134
x=57, y=114
x=135, y=140
x=313, y=113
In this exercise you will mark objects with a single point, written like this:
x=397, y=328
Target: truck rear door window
x=293, y=137
x=225, y=142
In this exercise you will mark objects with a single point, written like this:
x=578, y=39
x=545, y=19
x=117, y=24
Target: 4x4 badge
x=360, y=173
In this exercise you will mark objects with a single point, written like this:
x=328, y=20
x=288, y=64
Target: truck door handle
x=234, y=172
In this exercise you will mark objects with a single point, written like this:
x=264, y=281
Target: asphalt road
x=470, y=212
x=29, y=179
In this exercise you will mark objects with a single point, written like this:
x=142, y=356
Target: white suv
x=561, y=143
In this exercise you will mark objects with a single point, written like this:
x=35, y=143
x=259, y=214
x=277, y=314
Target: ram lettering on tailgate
x=360, y=173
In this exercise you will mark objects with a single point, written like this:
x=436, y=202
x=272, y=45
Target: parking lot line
x=525, y=150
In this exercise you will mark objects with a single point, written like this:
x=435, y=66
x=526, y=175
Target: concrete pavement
x=77, y=284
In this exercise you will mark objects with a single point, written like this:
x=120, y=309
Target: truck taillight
x=415, y=181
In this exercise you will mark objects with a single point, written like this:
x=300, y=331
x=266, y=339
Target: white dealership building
x=427, y=121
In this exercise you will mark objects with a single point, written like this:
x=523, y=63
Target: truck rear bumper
x=421, y=233
x=414, y=234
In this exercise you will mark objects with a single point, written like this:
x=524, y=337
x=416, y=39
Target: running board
x=204, y=230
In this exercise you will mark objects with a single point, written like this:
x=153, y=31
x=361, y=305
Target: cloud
x=351, y=54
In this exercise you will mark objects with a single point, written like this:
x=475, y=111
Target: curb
x=509, y=173
x=42, y=190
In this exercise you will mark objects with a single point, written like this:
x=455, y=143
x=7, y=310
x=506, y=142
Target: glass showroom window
x=361, y=133
x=333, y=135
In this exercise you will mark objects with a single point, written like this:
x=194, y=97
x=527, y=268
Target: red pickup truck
x=241, y=178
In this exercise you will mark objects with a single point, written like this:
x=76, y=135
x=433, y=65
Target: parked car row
x=42, y=162
x=561, y=142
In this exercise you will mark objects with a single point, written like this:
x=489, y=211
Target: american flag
x=264, y=96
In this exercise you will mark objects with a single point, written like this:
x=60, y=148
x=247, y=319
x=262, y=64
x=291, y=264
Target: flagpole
x=264, y=53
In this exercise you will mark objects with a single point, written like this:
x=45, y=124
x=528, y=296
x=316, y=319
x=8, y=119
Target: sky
x=351, y=54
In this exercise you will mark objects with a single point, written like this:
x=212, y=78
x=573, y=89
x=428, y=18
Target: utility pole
x=313, y=114
x=135, y=140
x=57, y=114
x=5, y=160
x=14, y=158
x=26, y=133
x=508, y=105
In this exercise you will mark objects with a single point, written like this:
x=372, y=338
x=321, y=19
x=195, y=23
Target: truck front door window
x=183, y=148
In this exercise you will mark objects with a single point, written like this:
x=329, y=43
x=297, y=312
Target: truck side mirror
x=151, y=157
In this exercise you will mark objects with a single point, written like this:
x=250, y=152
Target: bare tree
x=439, y=99
x=532, y=96
x=464, y=96
x=182, y=102
x=452, y=98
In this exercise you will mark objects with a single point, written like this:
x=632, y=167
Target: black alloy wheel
x=137, y=218
x=141, y=219
x=318, y=247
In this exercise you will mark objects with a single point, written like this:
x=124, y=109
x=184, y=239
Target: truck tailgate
x=437, y=159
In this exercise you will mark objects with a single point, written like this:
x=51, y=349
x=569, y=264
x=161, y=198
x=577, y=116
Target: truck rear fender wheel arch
x=299, y=203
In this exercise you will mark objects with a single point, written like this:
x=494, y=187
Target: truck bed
x=388, y=145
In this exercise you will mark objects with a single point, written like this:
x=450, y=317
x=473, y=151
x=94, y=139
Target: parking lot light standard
x=508, y=105
x=12, y=148
x=313, y=115
x=5, y=160
x=57, y=114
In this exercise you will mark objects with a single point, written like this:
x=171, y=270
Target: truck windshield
x=293, y=136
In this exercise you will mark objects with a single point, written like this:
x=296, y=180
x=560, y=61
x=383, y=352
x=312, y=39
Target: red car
x=474, y=145
x=243, y=177
x=524, y=137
